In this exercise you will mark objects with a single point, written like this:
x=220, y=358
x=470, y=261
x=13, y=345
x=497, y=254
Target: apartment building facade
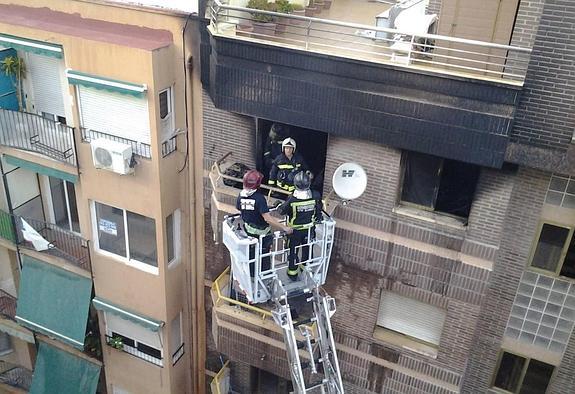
x=96, y=217
x=453, y=272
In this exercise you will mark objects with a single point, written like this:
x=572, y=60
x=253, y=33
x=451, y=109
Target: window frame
x=45, y=186
x=167, y=123
x=405, y=340
x=126, y=260
x=176, y=238
x=570, y=235
x=432, y=210
x=523, y=372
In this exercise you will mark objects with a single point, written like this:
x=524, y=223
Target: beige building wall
x=158, y=188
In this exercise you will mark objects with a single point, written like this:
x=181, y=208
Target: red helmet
x=252, y=179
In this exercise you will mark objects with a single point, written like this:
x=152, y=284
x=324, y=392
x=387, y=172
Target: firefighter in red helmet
x=255, y=214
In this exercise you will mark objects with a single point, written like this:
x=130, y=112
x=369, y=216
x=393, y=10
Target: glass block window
x=561, y=191
x=543, y=312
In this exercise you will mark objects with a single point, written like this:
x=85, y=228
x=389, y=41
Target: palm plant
x=15, y=68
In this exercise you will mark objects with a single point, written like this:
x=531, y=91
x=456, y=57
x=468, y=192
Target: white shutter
x=45, y=75
x=411, y=317
x=132, y=330
x=113, y=113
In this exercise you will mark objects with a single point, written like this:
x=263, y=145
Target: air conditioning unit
x=112, y=156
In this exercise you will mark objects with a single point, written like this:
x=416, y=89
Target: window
x=437, y=184
x=166, y=113
x=561, y=191
x=133, y=339
x=177, y=348
x=516, y=374
x=412, y=318
x=173, y=237
x=63, y=204
x=543, y=312
x=555, y=250
x=126, y=234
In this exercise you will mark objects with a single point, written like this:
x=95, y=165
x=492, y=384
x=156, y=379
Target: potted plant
x=263, y=24
x=116, y=342
x=15, y=68
x=298, y=9
x=284, y=7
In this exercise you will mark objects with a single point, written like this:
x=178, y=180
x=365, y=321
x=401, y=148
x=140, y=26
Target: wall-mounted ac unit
x=112, y=156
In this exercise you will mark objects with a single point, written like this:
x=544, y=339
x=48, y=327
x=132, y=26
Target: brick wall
x=545, y=116
x=227, y=132
x=517, y=236
x=527, y=22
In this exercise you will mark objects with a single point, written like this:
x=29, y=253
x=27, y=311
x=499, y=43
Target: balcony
x=34, y=133
x=45, y=237
x=445, y=96
x=7, y=305
x=15, y=376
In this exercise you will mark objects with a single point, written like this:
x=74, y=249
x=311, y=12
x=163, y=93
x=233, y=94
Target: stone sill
x=431, y=217
x=405, y=342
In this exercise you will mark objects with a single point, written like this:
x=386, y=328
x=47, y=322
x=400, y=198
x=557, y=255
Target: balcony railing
x=133, y=351
x=139, y=148
x=35, y=133
x=429, y=52
x=7, y=305
x=15, y=376
x=62, y=243
x=169, y=146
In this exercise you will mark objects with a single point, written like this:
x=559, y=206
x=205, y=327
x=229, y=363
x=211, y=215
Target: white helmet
x=288, y=142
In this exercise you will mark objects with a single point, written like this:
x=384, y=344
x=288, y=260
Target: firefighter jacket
x=303, y=209
x=283, y=171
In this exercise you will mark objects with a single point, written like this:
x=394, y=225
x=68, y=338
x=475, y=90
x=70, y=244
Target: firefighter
x=255, y=214
x=273, y=145
x=303, y=209
x=285, y=166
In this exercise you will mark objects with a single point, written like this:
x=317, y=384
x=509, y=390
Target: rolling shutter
x=114, y=113
x=411, y=317
x=46, y=80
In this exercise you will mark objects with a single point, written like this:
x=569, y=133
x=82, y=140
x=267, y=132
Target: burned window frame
x=433, y=207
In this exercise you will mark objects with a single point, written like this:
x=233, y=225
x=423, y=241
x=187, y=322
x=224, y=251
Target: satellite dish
x=349, y=181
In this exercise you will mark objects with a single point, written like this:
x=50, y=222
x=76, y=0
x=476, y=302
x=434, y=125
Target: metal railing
x=139, y=148
x=15, y=376
x=216, y=383
x=169, y=146
x=218, y=291
x=432, y=52
x=110, y=341
x=7, y=305
x=35, y=133
x=7, y=227
x=63, y=243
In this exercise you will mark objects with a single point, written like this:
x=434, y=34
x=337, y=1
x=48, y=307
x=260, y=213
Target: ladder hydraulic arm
x=319, y=341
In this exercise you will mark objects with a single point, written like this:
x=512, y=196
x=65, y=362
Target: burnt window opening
x=311, y=145
x=438, y=184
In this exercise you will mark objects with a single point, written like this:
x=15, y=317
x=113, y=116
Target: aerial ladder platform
x=262, y=283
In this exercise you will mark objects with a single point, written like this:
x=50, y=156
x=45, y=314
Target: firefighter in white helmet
x=285, y=166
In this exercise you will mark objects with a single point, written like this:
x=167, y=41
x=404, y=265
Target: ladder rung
x=305, y=321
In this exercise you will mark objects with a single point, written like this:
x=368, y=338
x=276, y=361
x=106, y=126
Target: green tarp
x=40, y=169
x=111, y=85
x=34, y=46
x=60, y=372
x=53, y=301
x=146, y=322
